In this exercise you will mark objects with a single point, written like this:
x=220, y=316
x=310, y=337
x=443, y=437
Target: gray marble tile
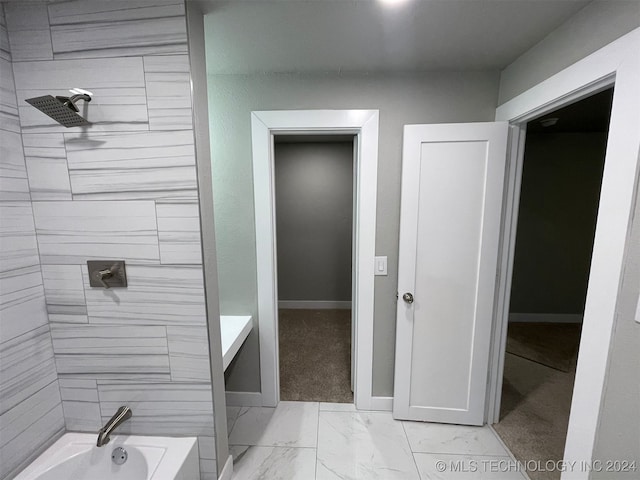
x=64, y=290
x=26, y=16
x=88, y=11
x=82, y=416
x=46, y=161
x=363, y=445
x=114, y=367
x=28, y=45
x=291, y=424
x=5, y=50
x=455, y=439
x=15, y=421
x=207, y=454
x=273, y=463
x=465, y=467
x=160, y=409
x=18, y=247
x=118, y=103
x=131, y=166
x=117, y=29
x=179, y=233
x=26, y=366
x=36, y=437
x=69, y=317
x=22, y=305
x=78, y=390
x=74, y=232
x=110, y=73
x=14, y=185
x=168, y=83
x=189, y=353
x=108, y=340
x=156, y=295
x=9, y=120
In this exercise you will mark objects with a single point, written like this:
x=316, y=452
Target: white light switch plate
x=381, y=266
x=638, y=311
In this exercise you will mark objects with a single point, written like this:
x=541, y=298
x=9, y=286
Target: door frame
x=615, y=64
x=363, y=124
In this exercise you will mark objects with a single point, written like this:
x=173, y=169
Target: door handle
x=408, y=297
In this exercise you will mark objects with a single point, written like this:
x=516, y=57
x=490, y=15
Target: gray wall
x=556, y=221
x=401, y=99
x=596, y=25
x=314, y=217
x=31, y=415
x=618, y=436
x=123, y=188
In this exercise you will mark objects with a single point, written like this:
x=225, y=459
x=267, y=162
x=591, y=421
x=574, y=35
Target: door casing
x=363, y=124
x=615, y=64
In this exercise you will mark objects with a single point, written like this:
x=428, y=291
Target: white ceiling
x=365, y=35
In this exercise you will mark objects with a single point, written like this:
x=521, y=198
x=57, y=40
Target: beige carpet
x=315, y=355
x=552, y=344
x=536, y=401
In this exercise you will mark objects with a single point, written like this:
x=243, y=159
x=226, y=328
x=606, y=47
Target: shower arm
x=78, y=94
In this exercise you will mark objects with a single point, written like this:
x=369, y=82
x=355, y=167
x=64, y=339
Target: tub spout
x=123, y=413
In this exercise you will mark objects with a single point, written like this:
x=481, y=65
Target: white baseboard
x=545, y=317
x=227, y=471
x=382, y=404
x=315, y=304
x=244, y=399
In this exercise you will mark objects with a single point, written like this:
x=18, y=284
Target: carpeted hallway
x=536, y=398
x=315, y=355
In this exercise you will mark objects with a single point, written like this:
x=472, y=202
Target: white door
x=452, y=181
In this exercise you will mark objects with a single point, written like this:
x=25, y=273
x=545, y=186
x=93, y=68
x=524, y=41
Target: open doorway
x=314, y=200
x=561, y=181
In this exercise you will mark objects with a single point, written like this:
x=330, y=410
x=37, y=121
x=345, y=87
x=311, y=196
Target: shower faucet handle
x=107, y=273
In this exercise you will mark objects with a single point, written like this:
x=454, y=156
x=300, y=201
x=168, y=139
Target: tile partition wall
x=31, y=414
x=124, y=188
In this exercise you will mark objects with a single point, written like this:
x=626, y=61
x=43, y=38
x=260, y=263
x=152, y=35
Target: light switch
x=381, y=266
x=638, y=311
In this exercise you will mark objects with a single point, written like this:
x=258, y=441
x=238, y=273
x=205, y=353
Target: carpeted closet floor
x=315, y=355
x=536, y=398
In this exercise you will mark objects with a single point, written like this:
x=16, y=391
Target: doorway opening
x=564, y=156
x=314, y=203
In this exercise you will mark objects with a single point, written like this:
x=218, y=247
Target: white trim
x=545, y=318
x=315, y=304
x=244, y=399
x=364, y=125
x=381, y=404
x=620, y=61
x=227, y=470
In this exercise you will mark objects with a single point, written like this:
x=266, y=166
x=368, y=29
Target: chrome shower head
x=62, y=109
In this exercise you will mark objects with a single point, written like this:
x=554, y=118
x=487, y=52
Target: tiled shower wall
x=31, y=414
x=124, y=188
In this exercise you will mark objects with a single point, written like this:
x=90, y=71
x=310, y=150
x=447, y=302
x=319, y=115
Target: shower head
x=62, y=109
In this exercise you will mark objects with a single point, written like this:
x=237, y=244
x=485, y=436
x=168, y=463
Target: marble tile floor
x=332, y=441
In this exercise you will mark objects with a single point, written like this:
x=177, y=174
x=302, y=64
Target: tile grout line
x=413, y=454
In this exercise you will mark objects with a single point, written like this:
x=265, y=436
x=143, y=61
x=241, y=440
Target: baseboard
x=545, y=318
x=244, y=399
x=314, y=304
x=227, y=471
x=382, y=404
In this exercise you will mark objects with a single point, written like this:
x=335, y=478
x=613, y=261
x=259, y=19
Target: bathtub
x=75, y=457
